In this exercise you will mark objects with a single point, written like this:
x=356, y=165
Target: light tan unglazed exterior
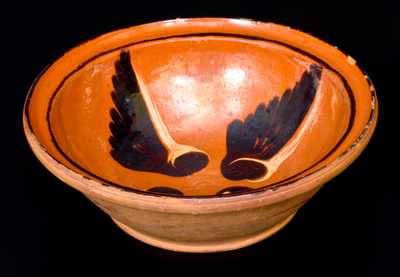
x=200, y=220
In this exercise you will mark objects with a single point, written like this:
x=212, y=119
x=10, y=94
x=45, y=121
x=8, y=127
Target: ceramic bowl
x=200, y=135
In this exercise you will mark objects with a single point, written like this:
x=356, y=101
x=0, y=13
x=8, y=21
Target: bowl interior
x=199, y=114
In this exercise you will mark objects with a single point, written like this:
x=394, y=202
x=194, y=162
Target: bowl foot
x=204, y=247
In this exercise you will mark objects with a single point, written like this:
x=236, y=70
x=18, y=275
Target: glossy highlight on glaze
x=233, y=79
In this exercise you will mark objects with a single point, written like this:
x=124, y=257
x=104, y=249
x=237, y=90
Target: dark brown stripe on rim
x=274, y=186
x=166, y=191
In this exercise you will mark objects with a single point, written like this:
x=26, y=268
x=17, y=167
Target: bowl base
x=204, y=247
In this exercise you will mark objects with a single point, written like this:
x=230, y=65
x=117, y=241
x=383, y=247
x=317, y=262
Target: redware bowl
x=200, y=135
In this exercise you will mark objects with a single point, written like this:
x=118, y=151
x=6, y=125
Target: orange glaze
x=198, y=85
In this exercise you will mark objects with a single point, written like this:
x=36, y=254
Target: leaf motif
x=262, y=134
x=134, y=140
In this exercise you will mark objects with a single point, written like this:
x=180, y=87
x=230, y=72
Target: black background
x=349, y=228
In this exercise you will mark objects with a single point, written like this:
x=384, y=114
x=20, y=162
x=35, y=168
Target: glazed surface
x=199, y=86
x=215, y=113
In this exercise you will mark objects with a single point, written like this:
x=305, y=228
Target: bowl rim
x=110, y=191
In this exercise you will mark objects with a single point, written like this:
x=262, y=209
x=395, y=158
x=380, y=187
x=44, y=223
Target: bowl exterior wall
x=209, y=232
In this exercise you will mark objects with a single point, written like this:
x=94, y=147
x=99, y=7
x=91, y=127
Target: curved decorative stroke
x=166, y=191
x=140, y=140
x=252, y=144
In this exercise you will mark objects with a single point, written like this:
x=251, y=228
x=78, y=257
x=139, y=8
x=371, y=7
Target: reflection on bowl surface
x=197, y=114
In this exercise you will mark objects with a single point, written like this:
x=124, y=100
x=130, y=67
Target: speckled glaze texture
x=200, y=135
